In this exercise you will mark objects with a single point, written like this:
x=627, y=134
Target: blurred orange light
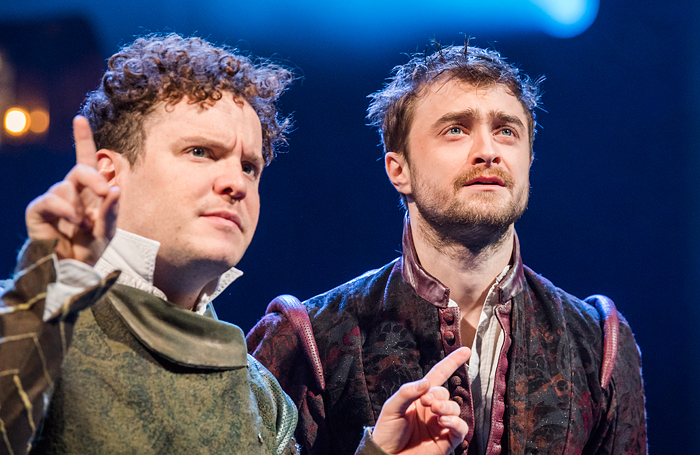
x=16, y=121
x=39, y=121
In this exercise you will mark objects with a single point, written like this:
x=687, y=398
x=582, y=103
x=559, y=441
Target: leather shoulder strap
x=298, y=317
x=611, y=329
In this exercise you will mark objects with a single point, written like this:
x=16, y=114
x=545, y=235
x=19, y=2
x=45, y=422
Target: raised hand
x=81, y=210
x=420, y=418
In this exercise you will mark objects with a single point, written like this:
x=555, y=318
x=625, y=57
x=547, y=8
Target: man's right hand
x=420, y=418
x=81, y=210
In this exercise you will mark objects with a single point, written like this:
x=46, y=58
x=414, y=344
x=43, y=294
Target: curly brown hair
x=391, y=109
x=167, y=68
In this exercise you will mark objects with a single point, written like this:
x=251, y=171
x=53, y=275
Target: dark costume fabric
x=131, y=374
x=391, y=325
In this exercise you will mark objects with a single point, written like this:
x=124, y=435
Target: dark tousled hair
x=391, y=109
x=167, y=68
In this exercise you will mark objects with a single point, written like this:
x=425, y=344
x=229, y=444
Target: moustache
x=476, y=173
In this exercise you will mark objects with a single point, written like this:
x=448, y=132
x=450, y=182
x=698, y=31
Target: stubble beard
x=476, y=224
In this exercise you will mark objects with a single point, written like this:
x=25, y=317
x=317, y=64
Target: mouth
x=224, y=218
x=484, y=180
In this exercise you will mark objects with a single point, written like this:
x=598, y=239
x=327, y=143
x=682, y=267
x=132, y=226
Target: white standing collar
x=136, y=256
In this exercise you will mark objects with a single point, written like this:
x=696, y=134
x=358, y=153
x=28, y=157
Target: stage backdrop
x=615, y=195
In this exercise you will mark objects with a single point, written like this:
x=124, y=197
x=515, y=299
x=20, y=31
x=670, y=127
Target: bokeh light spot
x=39, y=121
x=16, y=121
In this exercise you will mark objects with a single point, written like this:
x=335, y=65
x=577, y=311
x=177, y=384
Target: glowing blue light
x=380, y=21
x=352, y=24
x=567, y=17
x=566, y=13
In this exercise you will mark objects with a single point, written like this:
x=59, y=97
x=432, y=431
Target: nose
x=485, y=151
x=231, y=182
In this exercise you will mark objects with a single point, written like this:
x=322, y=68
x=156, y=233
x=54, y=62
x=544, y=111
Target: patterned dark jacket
x=391, y=325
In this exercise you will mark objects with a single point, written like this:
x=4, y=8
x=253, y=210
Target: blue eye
x=455, y=130
x=507, y=132
x=199, y=152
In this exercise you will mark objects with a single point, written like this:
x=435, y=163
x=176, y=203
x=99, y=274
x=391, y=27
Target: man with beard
x=548, y=373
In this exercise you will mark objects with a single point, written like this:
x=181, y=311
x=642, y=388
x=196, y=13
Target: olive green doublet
x=143, y=376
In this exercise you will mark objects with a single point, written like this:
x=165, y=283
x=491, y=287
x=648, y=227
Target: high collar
x=136, y=256
x=432, y=290
x=179, y=335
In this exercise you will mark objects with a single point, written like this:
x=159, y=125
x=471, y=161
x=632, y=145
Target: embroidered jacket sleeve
x=619, y=425
x=31, y=349
x=624, y=429
x=276, y=345
x=332, y=414
x=274, y=342
x=320, y=431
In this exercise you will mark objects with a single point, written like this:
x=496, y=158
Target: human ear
x=111, y=164
x=398, y=171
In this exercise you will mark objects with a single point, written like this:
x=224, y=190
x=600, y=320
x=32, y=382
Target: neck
x=467, y=268
x=183, y=286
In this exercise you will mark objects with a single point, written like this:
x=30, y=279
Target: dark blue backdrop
x=615, y=197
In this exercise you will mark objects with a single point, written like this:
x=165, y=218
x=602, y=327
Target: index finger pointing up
x=85, y=149
x=442, y=371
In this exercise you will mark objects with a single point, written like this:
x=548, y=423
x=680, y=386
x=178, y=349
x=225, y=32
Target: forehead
x=227, y=119
x=444, y=96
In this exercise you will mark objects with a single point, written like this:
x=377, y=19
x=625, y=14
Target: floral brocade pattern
x=375, y=333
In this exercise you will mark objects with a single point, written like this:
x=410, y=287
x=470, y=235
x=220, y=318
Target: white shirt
x=486, y=347
x=135, y=256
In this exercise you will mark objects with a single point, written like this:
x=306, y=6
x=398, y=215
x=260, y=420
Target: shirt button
x=449, y=338
x=449, y=318
x=455, y=381
x=457, y=399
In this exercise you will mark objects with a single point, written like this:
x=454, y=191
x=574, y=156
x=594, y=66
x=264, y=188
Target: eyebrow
x=471, y=114
x=455, y=116
x=203, y=141
x=507, y=118
x=254, y=158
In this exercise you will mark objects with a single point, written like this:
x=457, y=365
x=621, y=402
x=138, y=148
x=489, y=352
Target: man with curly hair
x=548, y=373
x=109, y=315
